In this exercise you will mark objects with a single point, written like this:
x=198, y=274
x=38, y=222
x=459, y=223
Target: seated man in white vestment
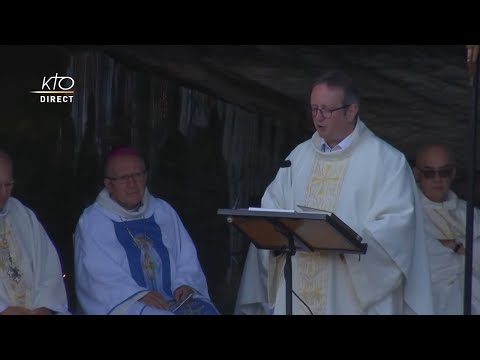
x=31, y=277
x=133, y=255
x=445, y=223
x=345, y=169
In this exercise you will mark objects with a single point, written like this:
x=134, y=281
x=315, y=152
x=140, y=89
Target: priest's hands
x=155, y=300
x=182, y=292
x=42, y=311
x=454, y=245
x=158, y=301
x=18, y=310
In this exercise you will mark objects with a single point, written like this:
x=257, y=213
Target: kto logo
x=61, y=86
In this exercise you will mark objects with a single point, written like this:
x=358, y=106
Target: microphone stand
x=289, y=251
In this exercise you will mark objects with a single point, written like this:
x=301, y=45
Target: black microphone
x=285, y=164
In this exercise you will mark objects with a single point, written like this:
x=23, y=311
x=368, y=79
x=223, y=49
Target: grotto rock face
x=410, y=93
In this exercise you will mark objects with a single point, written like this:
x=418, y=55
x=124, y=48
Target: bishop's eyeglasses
x=124, y=178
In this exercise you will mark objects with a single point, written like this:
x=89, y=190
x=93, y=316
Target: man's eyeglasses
x=442, y=173
x=124, y=178
x=326, y=113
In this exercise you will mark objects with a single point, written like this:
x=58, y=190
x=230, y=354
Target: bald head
x=118, y=155
x=436, y=153
x=435, y=171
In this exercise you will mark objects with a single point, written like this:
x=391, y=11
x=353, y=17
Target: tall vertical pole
x=473, y=65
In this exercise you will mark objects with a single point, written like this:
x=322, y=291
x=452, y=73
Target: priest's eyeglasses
x=432, y=173
x=124, y=178
x=326, y=113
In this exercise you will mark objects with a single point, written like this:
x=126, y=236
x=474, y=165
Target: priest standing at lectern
x=345, y=169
